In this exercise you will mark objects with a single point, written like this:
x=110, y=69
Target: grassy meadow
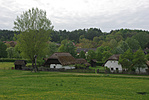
x=8, y=65
x=25, y=85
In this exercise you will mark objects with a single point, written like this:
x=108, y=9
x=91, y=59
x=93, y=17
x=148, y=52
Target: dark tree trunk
x=33, y=65
x=36, y=68
x=139, y=70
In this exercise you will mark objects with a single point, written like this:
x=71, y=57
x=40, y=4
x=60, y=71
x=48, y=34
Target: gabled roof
x=114, y=57
x=94, y=60
x=20, y=62
x=63, y=58
x=82, y=61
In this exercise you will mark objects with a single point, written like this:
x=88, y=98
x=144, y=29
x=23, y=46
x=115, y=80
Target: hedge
x=12, y=60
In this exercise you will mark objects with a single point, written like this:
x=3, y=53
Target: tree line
x=93, y=37
x=35, y=35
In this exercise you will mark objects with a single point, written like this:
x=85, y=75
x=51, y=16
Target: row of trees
x=33, y=31
x=92, y=38
x=131, y=61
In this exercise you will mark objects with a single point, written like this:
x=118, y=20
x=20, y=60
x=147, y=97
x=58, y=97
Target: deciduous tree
x=133, y=43
x=91, y=55
x=113, y=43
x=82, y=54
x=106, y=55
x=69, y=47
x=126, y=59
x=139, y=59
x=34, y=28
x=3, y=52
x=123, y=45
x=10, y=52
x=142, y=38
x=52, y=48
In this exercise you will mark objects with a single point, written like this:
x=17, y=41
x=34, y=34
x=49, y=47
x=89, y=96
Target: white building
x=60, y=60
x=112, y=64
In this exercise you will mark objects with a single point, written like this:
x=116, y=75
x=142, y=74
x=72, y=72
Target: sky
x=79, y=14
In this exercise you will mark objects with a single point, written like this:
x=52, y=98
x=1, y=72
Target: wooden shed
x=19, y=64
x=93, y=62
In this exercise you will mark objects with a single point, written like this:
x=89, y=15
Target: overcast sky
x=78, y=14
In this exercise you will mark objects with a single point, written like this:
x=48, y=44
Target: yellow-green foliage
x=17, y=85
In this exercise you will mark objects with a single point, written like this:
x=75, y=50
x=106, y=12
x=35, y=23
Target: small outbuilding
x=93, y=62
x=82, y=61
x=19, y=64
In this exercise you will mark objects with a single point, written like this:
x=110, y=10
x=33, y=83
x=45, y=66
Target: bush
x=107, y=70
x=12, y=60
x=80, y=66
x=99, y=63
x=8, y=59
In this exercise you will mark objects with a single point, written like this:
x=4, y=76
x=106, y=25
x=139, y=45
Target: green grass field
x=25, y=85
x=8, y=65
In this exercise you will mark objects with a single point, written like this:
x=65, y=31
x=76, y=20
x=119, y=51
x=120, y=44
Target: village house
x=60, y=60
x=112, y=63
x=114, y=66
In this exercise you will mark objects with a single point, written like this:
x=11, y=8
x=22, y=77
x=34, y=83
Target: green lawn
x=8, y=65
x=16, y=85
x=97, y=67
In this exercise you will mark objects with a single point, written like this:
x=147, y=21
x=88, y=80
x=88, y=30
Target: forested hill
x=58, y=36
x=6, y=35
x=93, y=35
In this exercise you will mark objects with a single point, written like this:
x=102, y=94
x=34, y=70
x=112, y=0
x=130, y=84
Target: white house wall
x=142, y=70
x=58, y=66
x=113, y=65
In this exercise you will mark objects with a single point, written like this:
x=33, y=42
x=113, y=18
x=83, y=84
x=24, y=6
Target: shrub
x=80, y=66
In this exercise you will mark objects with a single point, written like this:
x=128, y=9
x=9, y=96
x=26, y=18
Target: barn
x=60, y=60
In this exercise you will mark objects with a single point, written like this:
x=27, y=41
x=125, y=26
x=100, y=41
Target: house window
x=111, y=68
x=116, y=68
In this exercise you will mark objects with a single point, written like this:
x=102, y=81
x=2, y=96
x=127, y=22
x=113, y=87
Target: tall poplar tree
x=34, y=28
